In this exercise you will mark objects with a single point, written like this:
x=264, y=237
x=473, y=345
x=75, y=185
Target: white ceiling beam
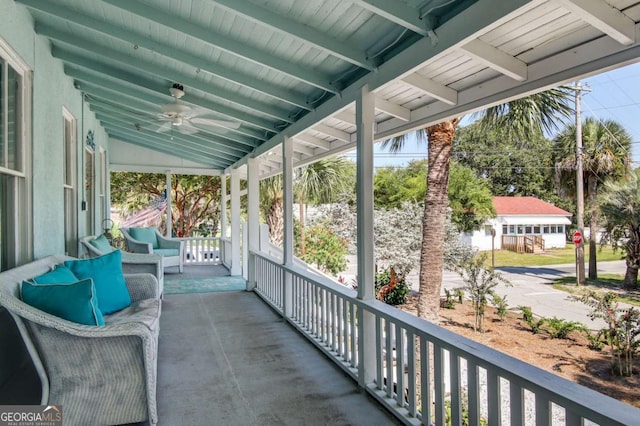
x=396, y=12
x=312, y=140
x=332, y=132
x=303, y=149
x=227, y=44
x=604, y=17
x=392, y=109
x=346, y=116
x=436, y=90
x=306, y=33
x=496, y=59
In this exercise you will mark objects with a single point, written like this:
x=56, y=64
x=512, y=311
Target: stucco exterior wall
x=51, y=91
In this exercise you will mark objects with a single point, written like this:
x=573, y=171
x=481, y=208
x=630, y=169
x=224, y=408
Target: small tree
x=325, y=249
x=620, y=208
x=479, y=282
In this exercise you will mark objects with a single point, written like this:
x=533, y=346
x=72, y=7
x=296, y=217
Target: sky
x=613, y=95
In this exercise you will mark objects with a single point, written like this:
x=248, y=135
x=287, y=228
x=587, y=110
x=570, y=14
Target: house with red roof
x=522, y=224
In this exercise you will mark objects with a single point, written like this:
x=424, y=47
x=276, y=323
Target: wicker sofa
x=99, y=374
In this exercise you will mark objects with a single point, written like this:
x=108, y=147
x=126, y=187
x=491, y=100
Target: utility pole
x=579, y=189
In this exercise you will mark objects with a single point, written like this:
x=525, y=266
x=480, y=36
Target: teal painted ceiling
x=253, y=72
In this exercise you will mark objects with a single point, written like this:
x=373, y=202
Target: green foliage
x=325, y=250
x=620, y=209
x=469, y=197
x=398, y=294
x=479, y=283
x=449, y=301
x=195, y=199
x=560, y=328
x=458, y=293
x=534, y=324
x=500, y=303
x=622, y=334
x=509, y=165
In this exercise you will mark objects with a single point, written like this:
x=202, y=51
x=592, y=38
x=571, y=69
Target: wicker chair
x=132, y=263
x=170, y=248
x=100, y=375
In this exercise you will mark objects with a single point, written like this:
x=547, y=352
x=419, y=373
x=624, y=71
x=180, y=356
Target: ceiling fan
x=181, y=117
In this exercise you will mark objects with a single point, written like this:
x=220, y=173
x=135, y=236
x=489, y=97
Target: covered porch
x=283, y=84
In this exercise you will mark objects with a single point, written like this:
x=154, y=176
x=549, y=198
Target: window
x=102, y=186
x=15, y=116
x=89, y=189
x=505, y=229
x=70, y=161
x=536, y=229
x=512, y=229
x=560, y=229
x=528, y=229
x=520, y=229
x=545, y=229
x=552, y=229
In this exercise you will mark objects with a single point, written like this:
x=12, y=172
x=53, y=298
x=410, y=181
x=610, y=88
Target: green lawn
x=605, y=282
x=550, y=257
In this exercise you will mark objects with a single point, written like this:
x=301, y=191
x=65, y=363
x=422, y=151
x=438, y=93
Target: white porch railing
x=421, y=372
x=203, y=251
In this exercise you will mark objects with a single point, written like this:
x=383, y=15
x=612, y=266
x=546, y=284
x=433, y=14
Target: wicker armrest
x=142, y=286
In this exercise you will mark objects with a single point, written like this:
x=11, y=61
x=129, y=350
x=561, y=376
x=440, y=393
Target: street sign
x=577, y=237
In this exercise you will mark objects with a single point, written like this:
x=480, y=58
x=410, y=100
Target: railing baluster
x=493, y=397
x=425, y=381
x=456, y=399
x=543, y=412
x=352, y=330
x=379, y=363
x=399, y=344
x=516, y=403
x=411, y=374
x=388, y=368
x=473, y=390
x=439, y=380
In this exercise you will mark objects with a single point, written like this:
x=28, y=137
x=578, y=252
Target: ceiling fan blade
x=165, y=127
x=187, y=129
x=215, y=123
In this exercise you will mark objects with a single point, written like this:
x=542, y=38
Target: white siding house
x=522, y=216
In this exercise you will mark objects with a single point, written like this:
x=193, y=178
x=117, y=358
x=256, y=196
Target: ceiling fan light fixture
x=177, y=91
x=177, y=120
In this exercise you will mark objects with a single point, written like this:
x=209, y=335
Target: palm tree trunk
x=433, y=221
x=593, y=225
x=275, y=221
x=302, y=243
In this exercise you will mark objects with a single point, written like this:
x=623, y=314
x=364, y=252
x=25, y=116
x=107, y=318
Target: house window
x=545, y=229
x=536, y=229
x=560, y=229
x=552, y=229
x=520, y=229
x=528, y=229
x=512, y=229
x=69, y=166
x=505, y=229
x=15, y=122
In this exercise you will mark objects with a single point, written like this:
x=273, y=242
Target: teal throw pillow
x=106, y=272
x=60, y=274
x=146, y=235
x=75, y=302
x=102, y=244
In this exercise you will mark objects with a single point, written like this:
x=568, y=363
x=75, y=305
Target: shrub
x=398, y=294
x=560, y=328
x=449, y=300
x=527, y=316
x=479, y=283
x=325, y=249
x=500, y=303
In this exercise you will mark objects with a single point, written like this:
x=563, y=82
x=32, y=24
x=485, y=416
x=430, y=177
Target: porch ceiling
x=294, y=67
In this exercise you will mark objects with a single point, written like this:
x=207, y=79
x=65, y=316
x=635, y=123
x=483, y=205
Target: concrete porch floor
x=228, y=359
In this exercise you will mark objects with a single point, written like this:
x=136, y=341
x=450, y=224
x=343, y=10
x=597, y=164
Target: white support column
x=287, y=200
x=365, y=105
x=223, y=206
x=253, y=216
x=236, y=265
x=168, y=210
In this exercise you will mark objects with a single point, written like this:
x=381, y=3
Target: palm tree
x=606, y=154
x=620, y=209
x=320, y=182
x=534, y=114
x=271, y=199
